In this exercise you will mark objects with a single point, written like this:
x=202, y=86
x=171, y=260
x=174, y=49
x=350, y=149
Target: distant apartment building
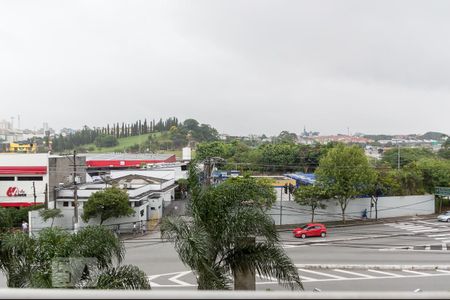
x=346, y=139
x=18, y=147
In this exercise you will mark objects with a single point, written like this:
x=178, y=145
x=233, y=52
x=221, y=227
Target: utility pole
x=46, y=196
x=75, y=192
x=281, y=206
x=34, y=193
x=207, y=171
x=398, y=156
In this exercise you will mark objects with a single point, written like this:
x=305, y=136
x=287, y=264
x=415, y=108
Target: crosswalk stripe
x=322, y=274
x=354, y=273
x=384, y=273
x=425, y=222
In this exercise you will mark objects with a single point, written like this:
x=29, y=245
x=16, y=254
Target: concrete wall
x=292, y=213
x=143, y=213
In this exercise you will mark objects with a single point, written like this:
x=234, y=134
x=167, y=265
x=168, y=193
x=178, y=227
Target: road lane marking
x=384, y=273
x=304, y=278
x=175, y=279
x=354, y=273
x=444, y=247
x=322, y=274
x=439, y=235
x=417, y=273
x=272, y=279
x=427, y=230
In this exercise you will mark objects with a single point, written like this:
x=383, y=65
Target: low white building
x=147, y=196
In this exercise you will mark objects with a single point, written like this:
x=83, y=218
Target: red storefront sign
x=14, y=191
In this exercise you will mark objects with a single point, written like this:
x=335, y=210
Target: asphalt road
x=362, y=257
x=391, y=256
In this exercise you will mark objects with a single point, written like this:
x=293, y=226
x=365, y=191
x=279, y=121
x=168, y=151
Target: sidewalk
x=149, y=234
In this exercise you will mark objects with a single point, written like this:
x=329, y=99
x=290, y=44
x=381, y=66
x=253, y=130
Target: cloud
x=241, y=66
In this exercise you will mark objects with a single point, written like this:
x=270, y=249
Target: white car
x=445, y=217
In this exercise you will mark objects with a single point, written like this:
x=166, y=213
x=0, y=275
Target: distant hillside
x=432, y=135
x=169, y=135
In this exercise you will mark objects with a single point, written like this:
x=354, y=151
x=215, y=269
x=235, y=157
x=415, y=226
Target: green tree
x=407, y=155
x=312, y=196
x=410, y=178
x=385, y=184
x=287, y=137
x=106, y=141
x=219, y=238
x=345, y=173
x=109, y=203
x=279, y=157
x=27, y=261
x=444, y=152
x=47, y=214
x=435, y=172
x=212, y=149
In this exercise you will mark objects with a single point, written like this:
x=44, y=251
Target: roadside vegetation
x=93, y=256
x=229, y=237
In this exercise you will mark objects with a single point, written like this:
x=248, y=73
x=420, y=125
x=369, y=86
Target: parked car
x=311, y=229
x=445, y=217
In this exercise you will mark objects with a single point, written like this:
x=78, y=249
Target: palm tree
x=229, y=234
x=47, y=214
x=91, y=256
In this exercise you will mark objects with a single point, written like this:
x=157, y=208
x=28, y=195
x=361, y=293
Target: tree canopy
x=345, y=173
x=109, y=203
x=313, y=196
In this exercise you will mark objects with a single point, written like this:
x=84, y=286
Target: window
x=30, y=178
x=7, y=178
x=65, y=204
x=152, y=208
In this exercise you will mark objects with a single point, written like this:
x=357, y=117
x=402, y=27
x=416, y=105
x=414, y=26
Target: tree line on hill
x=180, y=133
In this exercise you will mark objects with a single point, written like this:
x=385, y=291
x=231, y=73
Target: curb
x=374, y=267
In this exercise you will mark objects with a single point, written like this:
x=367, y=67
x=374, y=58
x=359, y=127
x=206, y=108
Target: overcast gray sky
x=241, y=66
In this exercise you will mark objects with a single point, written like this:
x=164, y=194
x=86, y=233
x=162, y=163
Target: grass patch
x=127, y=142
x=124, y=143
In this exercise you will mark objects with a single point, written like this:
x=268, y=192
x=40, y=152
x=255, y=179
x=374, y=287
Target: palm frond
x=17, y=252
x=268, y=260
x=246, y=221
x=127, y=277
x=96, y=242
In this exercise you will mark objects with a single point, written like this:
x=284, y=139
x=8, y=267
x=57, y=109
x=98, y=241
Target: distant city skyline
x=298, y=132
x=244, y=67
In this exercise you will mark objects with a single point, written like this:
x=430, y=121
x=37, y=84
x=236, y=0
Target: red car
x=311, y=229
